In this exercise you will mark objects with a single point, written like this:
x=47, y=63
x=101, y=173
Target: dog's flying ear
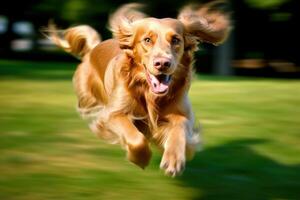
x=205, y=23
x=121, y=24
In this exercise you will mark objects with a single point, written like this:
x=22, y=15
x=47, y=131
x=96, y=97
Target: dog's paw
x=139, y=153
x=173, y=163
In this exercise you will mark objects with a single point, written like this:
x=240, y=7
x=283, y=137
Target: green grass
x=251, y=134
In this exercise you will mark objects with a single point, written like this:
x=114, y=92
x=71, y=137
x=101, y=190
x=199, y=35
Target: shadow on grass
x=235, y=171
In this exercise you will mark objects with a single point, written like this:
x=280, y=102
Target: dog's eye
x=147, y=40
x=175, y=41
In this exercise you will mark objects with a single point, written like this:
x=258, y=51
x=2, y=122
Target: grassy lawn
x=251, y=134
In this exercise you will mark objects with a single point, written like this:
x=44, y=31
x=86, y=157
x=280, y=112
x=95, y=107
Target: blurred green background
x=246, y=96
x=264, y=40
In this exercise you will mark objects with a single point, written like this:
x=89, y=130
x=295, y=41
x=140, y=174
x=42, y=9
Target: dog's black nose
x=162, y=63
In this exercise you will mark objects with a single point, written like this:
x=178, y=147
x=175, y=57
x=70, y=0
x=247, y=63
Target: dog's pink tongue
x=157, y=86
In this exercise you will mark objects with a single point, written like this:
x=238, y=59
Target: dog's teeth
x=167, y=78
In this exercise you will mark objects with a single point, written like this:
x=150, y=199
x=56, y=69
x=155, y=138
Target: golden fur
x=134, y=87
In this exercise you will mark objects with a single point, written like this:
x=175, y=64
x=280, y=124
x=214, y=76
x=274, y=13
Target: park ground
x=251, y=142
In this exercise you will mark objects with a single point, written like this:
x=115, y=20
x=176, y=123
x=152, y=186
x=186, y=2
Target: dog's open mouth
x=160, y=83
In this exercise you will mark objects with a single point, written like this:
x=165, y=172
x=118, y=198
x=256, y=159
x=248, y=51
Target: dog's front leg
x=137, y=146
x=173, y=160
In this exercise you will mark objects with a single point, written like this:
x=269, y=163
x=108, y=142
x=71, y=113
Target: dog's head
x=159, y=44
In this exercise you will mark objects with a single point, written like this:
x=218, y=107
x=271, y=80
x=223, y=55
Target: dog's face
x=159, y=44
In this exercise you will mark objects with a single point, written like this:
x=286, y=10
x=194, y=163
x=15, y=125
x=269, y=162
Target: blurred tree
x=73, y=12
x=266, y=4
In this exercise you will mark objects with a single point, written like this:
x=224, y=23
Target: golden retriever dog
x=134, y=87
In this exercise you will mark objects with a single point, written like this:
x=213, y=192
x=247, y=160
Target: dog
x=134, y=87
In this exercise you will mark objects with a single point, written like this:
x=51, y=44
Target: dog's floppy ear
x=121, y=24
x=205, y=23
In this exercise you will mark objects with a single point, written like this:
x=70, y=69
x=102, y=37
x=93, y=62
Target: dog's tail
x=78, y=40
